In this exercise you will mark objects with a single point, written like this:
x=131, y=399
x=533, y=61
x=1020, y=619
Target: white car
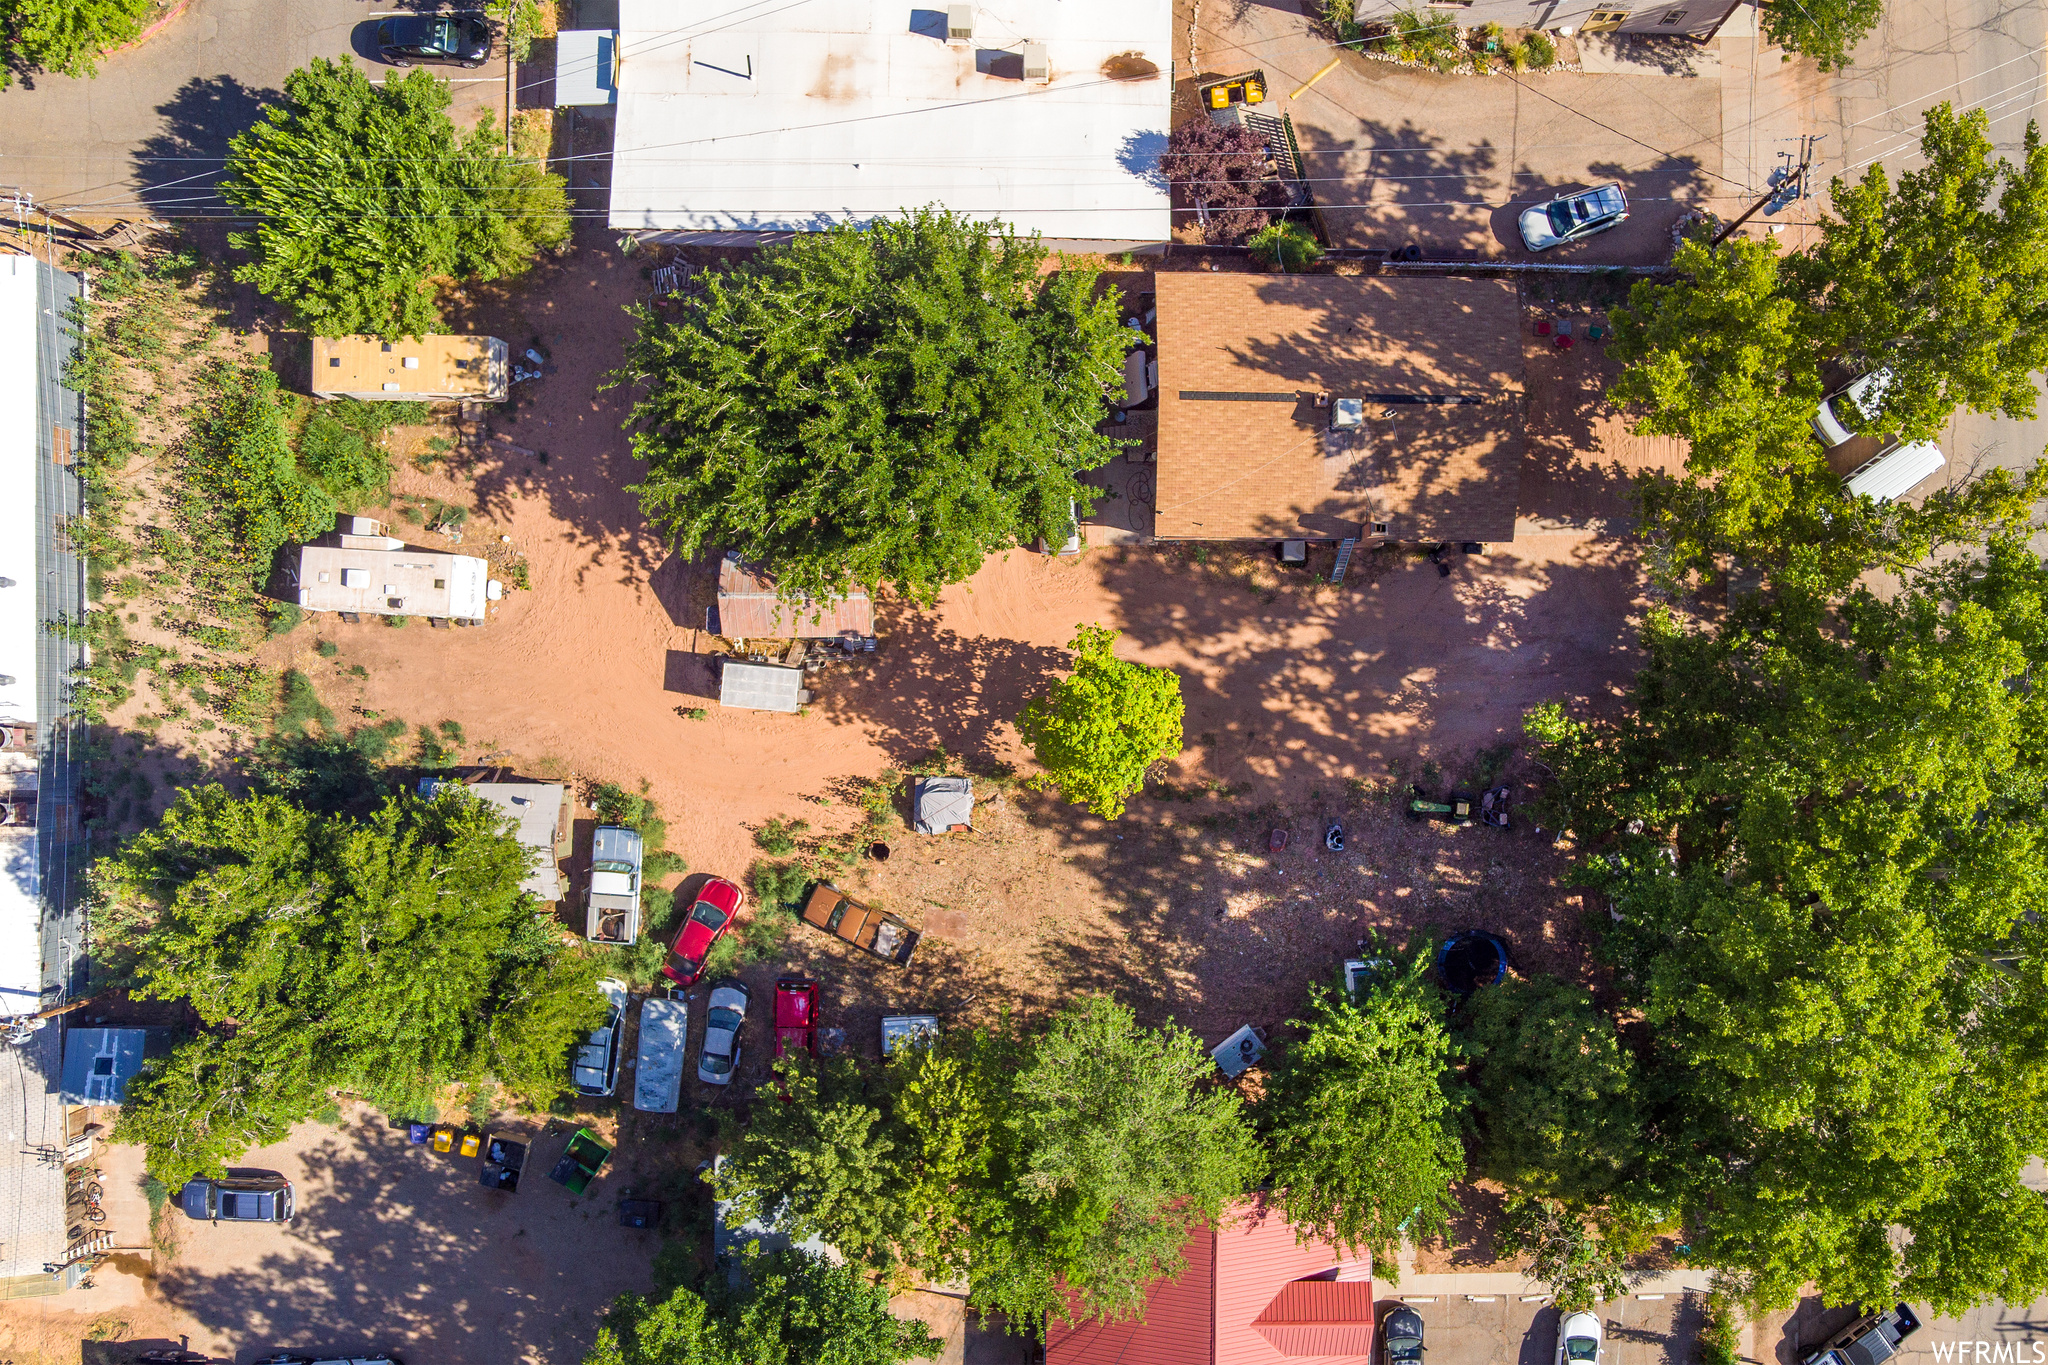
x=1855, y=401
x=1896, y=467
x=721, y=1053
x=1578, y=1340
x=1573, y=217
x=596, y=1070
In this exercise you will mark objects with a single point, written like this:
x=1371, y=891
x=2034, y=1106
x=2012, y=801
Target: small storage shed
x=749, y=608
x=761, y=687
x=943, y=804
x=540, y=813
x=98, y=1063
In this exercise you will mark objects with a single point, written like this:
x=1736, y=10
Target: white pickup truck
x=613, y=911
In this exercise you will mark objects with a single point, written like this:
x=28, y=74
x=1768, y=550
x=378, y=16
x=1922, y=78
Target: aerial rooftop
x=779, y=117
x=1433, y=369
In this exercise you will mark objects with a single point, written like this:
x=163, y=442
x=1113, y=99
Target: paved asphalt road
x=152, y=127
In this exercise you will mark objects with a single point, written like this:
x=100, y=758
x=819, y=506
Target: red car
x=796, y=1016
x=709, y=918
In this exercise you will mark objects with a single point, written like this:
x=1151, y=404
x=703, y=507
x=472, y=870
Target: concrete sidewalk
x=1486, y=1285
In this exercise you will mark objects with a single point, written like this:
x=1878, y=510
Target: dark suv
x=241, y=1196
x=1871, y=1339
x=449, y=39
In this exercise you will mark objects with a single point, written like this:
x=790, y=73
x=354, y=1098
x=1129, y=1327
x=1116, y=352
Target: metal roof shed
x=586, y=67
x=98, y=1063
x=943, y=804
x=761, y=687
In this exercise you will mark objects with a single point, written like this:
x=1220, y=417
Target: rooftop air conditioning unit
x=1036, y=72
x=959, y=25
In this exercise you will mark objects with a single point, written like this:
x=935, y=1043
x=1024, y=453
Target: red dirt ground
x=1304, y=702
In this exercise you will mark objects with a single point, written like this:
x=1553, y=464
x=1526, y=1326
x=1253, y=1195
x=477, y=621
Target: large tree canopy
x=791, y=1308
x=1943, y=280
x=1933, y=281
x=1073, y=1160
x=67, y=37
x=1098, y=730
x=388, y=956
x=1825, y=30
x=1821, y=825
x=1360, y=1114
x=1556, y=1101
x=367, y=195
x=877, y=405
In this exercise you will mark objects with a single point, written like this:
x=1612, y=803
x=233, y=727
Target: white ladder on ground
x=1344, y=549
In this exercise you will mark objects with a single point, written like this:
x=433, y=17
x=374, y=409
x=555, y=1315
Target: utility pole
x=1798, y=178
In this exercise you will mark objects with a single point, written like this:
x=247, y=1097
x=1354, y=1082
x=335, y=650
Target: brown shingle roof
x=1268, y=467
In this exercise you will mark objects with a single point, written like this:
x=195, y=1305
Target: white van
x=1896, y=467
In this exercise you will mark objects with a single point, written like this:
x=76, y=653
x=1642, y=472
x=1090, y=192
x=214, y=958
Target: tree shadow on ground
x=559, y=438
x=1391, y=185
x=931, y=687
x=437, y=1267
x=178, y=168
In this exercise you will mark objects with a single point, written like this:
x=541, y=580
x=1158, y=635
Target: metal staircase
x=1344, y=549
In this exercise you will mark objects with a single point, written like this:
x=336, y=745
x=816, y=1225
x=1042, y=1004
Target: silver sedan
x=721, y=1053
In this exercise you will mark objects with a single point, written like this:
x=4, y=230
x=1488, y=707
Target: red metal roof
x=1253, y=1294
x=1176, y=1330
x=1319, y=1318
x=748, y=609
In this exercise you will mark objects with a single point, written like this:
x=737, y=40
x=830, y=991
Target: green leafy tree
x=1556, y=1099
x=1582, y=1263
x=1820, y=823
x=953, y=1100
x=875, y=405
x=388, y=956
x=67, y=37
x=367, y=196
x=1099, y=729
x=1721, y=358
x=1360, y=1115
x=1825, y=30
x=1729, y=358
x=792, y=1309
x=1124, y=1146
x=1944, y=280
x=825, y=1162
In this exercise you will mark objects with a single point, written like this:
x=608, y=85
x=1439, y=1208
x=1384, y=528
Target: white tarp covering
x=19, y=319
x=658, y=1071
x=770, y=116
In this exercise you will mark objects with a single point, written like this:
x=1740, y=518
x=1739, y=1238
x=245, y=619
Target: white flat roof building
x=773, y=117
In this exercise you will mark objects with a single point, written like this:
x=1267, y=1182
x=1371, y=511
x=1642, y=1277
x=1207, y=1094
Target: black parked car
x=243, y=1195
x=449, y=39
x=1401, y=1337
